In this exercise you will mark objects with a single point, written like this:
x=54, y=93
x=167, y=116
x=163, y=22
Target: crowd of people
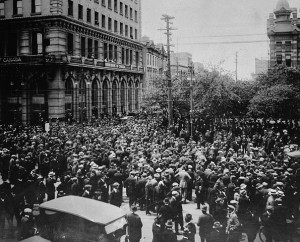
x=238, y=171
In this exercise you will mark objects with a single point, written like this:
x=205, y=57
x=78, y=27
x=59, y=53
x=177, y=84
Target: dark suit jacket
x=134, y=226
x=116, y=198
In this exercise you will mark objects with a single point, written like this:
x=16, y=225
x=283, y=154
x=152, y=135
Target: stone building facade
x=283, y=29
x=155, y=61
x=180, y=64
x=69, y=59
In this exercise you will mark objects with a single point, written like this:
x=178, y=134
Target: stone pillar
x=56, y=96
x=75, y=103
x=58, y=43
x=25, y=99
x=119, y=111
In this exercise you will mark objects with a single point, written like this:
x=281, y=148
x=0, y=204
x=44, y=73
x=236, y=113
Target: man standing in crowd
x=135, y=225
x=205, y=223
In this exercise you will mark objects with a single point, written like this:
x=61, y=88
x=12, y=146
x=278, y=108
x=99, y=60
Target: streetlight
x=191, y=69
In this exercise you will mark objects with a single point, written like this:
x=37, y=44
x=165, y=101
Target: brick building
x=155, y=61
x=75, y=59
x=283, y=29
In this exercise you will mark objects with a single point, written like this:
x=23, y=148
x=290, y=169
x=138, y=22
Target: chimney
x=294, y=13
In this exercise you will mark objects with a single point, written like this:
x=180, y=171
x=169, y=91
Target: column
x=25, y=96
x=109, y=104
x=89, y=101
x=119, y=98
x=56, y=96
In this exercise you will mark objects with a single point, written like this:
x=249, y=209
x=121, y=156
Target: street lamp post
x=191, y=69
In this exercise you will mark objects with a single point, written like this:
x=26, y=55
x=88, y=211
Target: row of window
x=18, y=7
x=152, y=60
x=288, y=60
x=287, y=46
x=121, y=8
x=111, y=26
x=90, y=48
x=80, y=10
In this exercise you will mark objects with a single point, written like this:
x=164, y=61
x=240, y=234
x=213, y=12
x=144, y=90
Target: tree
x=278, y=95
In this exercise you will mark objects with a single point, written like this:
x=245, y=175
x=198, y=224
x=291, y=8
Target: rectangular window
x=96, y=18
x=35, y=6
x=37, y=43
x=278, y=46
x=279, y=59
x=2, y=13
x=109, y=4
x=88, y=15
x=126, y=11
x=126, y=30
x=110, y=52
x=130, y=57
x=123, y=56
x=288, y=60
x=116, y=5
x=80, y=11
x=130, y=12
x=90, y=48
x=116, y=53
x=18, y=7
x=288, y=46
x=135, y=34
x=137, y=58
x=105, y=51
x=82, y=46
x=96, y=49
x=127, y=56
x=121, y=28
x=121, y=8
x=103, y=21
x=70, y=8
x=103, y=3
x=109, y=23
x=12, y=44
x=70, y=43
x=131, y=34
x=115, y=26
x=135, y=16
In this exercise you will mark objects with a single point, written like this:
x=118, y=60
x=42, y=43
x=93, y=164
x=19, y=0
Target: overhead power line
x=220, y=36
x=226, y=42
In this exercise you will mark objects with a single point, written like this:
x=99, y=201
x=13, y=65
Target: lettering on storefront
x=27, y=59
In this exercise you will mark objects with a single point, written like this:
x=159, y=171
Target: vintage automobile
x=73, y=218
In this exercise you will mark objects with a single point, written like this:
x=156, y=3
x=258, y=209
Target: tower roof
x=282, y=4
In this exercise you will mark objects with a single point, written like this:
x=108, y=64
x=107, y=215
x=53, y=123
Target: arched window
x=130, y=92
x=95, y=94
x=82, y=100
x=136, y=93
x=114, y=97
x=105, y=96
x=123, y=96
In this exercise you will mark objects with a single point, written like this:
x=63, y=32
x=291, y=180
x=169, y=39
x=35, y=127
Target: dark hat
x=134, y=208
x=169, y=224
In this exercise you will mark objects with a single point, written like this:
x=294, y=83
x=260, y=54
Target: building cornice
x=67, y=23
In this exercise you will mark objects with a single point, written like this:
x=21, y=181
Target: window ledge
x=17, y=15
x=35, y=14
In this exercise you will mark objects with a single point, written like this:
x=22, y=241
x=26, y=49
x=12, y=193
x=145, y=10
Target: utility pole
x=236, y=64
x=191, y=68
x=167, y=19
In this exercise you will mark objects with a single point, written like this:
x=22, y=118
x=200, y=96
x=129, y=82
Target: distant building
x=261, y=67
x=283, y=29
x=198, y=67
x=69, y=59
x=155, y=62
x=180, y=63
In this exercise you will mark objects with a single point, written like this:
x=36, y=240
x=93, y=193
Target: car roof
x=86, y=208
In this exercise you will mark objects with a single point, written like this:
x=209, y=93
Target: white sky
x=200, y=22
